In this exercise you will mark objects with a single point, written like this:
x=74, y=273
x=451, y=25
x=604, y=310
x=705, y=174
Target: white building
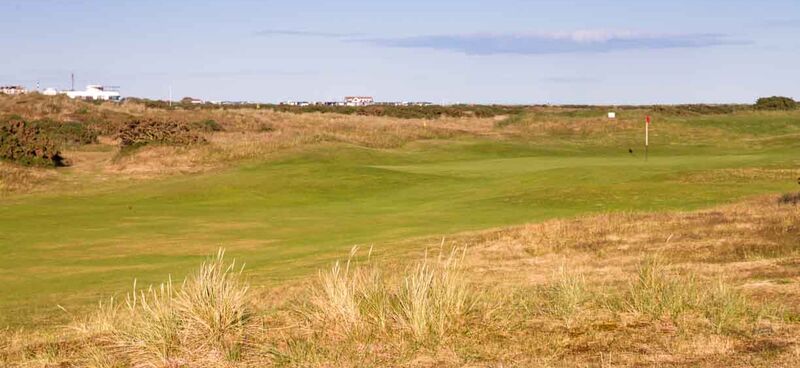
x=358, y=100
x=13, y=90
x=192, y=101
x=296, y=103
x=95, y=92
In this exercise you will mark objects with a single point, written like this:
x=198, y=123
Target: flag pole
x=646, y=136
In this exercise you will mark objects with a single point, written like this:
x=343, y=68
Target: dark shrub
x=208, y=125
x=266, y=127
x=790, y=198
x=66, y=132
x=25, y=144
x=141, y=132
x=776, y=103
x=694, y=109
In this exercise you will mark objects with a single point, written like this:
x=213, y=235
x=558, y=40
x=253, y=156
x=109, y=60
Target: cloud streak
x=301, y=33
x=783, y=23
x=569, y=80
x=556, y=43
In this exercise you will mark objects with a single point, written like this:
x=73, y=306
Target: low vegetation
x=425, y=304
x=26, y=144
x=208, y=125
x=629, y=300
x=379, y=110
x=790, y=198
x=408, y=112
x=138, y=133
x=776, y=103
x=205, y=319
x=66, y=133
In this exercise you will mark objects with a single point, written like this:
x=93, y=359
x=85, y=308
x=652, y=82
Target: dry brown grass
x=741, y=175
x=204, y=322
x=708, y=288
x=19, y=179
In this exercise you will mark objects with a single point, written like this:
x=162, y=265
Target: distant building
x=13, y=90
x=50, y=91
x=358, y=100
x=405, y=103
x=192, y=101
x=95, y=92
x=295, y=103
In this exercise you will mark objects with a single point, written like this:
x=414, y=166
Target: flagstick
x=646, y=137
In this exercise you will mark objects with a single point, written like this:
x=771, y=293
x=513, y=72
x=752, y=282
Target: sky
x=450, y=51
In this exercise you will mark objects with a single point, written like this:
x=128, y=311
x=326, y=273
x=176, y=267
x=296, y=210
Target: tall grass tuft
x=433, y=296
x=424, y=302
x=656, y=294
x=566, y=294
x=206, y=319
x=336, y=298
x=725, y=307
x=213, y=307
x=149, y=335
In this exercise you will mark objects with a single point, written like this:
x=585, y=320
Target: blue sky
x=502, y=51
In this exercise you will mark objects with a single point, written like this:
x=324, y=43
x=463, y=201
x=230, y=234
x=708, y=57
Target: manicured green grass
x=287, y=217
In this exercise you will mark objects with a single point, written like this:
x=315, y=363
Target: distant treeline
x=481, y=111
x=402, y=112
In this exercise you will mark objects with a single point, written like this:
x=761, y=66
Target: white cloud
x=582, y=41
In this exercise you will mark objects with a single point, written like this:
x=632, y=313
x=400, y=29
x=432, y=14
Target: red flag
x=648, y=119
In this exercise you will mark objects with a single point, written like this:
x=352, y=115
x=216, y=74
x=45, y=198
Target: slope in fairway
x=288, y=217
